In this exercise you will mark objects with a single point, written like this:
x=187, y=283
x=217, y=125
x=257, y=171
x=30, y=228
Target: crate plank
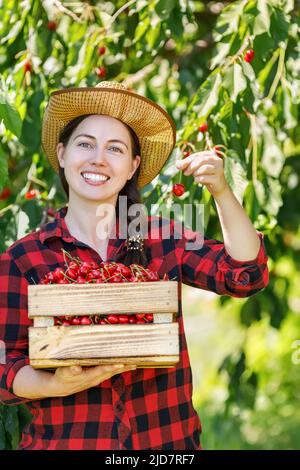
x=82, y=299
x=43, y=321
x=140, y=362
x=103, y=341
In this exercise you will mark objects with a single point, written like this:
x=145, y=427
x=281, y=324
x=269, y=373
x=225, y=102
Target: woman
x=106, y=142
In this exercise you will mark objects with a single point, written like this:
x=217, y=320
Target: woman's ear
x=60, y=149
x=135, y=163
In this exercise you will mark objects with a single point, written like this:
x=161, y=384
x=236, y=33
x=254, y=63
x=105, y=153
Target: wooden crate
x=150, y=345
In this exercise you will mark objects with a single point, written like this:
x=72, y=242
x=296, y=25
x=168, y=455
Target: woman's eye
x=116, y=148
x=84, y=143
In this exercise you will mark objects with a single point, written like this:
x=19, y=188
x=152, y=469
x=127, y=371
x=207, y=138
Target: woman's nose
x=99, y=156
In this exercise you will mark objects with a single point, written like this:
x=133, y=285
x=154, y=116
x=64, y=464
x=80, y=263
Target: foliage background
x=187, y=56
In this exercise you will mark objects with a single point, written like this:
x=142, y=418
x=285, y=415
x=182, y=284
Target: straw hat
x=155, y=129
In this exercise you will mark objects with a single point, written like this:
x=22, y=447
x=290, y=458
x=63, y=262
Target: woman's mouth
x=94, y=179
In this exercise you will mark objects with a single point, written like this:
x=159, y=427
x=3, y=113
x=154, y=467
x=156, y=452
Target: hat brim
x=155, y=129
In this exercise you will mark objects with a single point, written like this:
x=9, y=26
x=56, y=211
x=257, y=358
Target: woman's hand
x=207, y=168
x=68, y=380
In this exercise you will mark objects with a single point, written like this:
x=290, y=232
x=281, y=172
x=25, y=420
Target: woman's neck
x=92, y=223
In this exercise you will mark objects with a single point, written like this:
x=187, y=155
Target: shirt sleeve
x=14, y=324
x=206, y=264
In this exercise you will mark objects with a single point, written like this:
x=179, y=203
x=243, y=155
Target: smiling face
x=97, y=159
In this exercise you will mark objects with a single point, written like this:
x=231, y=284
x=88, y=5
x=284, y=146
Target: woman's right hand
x=68, y=380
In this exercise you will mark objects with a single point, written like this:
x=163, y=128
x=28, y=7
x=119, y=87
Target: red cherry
x=66, y=323
x=153, y=276
x=27, y=66
x=58, y=274
x=81, y=280
x=85, y=321
x=113, y=319
x=149, y=317
x=95, y=273
x=203, y=127
x=139, y=316
x=178, y=189
x=6, y=192
x=72, y=273
x=124, y=270
x=101, y=72
x=140, y=322
x=50, y=277
x=84, y=269
x=76, y=321
x=123, y=319
x=218, y=151
x=31, y=194
x=52, y=25
x=249, y=55
x=73, y=265
x=116, y=278
x=101, y=50
x=132, y=319
x=186, y=154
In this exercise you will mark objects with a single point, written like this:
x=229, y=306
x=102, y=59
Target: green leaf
x=141, y=29
x=223, y=49
x=262, y=20
x=25, y=417
x=207, y=95
x=2, y=433
x=251, y=202
x=11, y=424
x=274, y=200
x=164, y=7
x=273, y=158
x=10, y=116
x=235, y=174
x=228, y=20
x=3, y=167
x=153, y=35
x=234, y=81
x=289, y=108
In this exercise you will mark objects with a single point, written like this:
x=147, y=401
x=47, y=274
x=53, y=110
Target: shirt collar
x=58, y=228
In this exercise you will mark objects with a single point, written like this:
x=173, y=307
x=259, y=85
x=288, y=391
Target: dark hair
x=130, y=189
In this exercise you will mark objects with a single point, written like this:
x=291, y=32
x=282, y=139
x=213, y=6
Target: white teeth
x=94, y=177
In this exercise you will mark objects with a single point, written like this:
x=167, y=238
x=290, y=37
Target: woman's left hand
x=207, y=168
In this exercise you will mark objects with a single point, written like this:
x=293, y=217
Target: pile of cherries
x=83, y=272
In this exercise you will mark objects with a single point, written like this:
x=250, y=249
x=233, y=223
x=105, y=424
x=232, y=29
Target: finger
x=197, y=162
x=205, y=179
x=105, y=369
x=186, y=161
x=76, y=370
x=205, y=170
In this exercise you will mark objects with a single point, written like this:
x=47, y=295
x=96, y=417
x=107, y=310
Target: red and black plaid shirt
x=142, y=409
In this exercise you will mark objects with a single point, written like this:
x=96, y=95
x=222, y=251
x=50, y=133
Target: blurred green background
x=188, y=56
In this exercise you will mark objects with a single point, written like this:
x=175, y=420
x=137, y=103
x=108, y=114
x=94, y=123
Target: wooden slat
x=43, y=321
x=83, y=299
x=162, y=318
x=140, y=362
x=103, y=341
